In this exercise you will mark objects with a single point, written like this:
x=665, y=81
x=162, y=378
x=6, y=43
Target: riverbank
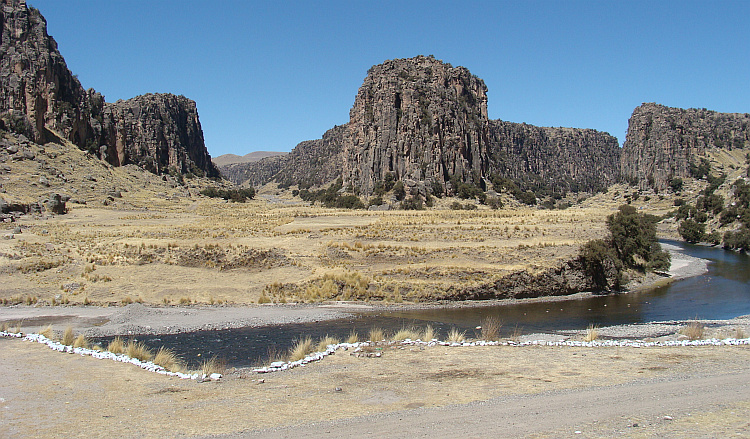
x=137, y=319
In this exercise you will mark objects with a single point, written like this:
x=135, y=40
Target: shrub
x=167, y=359
x=676, y=184
x=399, y=191
x=235, y=195
x=599, y=258
x=428, y=334
x=528, y=198
x=214, y=365
x=693, y=331
x=633, y=236
x=691, y=231
x=376, y=335
x=412, y=203
x=325, y=342
x=737, y=240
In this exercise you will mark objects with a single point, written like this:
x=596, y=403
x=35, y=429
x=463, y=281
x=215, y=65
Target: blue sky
x=268, y=75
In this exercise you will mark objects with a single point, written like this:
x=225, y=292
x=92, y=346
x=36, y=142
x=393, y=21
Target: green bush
x=676, y=184
x=691, y=230
x=234, y=195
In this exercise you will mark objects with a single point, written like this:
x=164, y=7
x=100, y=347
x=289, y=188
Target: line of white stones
x=317, y=356
x=278, y=366
x=105, y=355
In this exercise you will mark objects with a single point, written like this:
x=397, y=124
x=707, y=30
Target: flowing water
x=721, y=293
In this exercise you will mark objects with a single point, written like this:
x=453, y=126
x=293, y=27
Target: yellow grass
x=137, y=349
x=491, y=328
x=116, y=346
x=694, y=330
x=301, y=349
x=456, y=336
x=406, y=333
x=353, y=337
x=167, y=359
x=325, y=341
x=376, y=335
x=81, y=342
x=213, y=365
x=428, y=334
x=48, y=332
x=592, y=332
x=68, y=337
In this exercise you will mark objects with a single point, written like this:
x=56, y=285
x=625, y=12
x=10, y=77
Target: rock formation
x=425, y=122
x=662, y=142
x=39, y=94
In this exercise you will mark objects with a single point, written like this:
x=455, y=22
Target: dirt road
x=590, y=412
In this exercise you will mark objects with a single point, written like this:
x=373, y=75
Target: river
x=721, y=293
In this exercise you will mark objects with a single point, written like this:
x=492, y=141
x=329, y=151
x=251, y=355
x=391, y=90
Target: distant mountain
x=228, y=159
x=425, y=122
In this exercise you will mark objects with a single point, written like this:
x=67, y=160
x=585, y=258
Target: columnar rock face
x=662, y=142
x=35, y=80
x=419, y=119
x=564, y=158
x=157, y=131
x=422, y=120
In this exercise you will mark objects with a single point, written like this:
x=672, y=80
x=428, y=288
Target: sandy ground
x=440, y=391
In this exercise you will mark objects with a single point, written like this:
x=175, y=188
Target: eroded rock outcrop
x=38, y=93
x=425, y=122
x=662, y=142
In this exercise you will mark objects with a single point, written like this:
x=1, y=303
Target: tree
x=691, y=231
x=633, y=238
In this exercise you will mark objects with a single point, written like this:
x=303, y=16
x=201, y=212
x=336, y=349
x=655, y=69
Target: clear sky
x=267, y=75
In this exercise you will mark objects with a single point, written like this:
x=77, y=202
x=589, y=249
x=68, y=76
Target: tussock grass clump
x=214, y=365
x=694, y=330
x=301, y=349
x=428, y=334
x=167, y=359
x=68, y=337
x=456, y=336
x=740, y=333
x=116, y=346
x=48, y=332
x=592, y=332
x=491, y=328
x=81, y=342
x=325, y=341
x=137, y=349
x=353, y=337
x=406, y=333
x=376, y=335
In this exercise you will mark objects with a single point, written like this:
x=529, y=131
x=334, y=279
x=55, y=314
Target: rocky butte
x=663, y=142
x=42, y=99
x=425, y=122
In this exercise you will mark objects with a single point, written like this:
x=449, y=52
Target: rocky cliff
x=423, y=120
x=39, y=94
x=662, y=142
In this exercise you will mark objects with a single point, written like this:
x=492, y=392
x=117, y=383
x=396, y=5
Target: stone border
x=105, y=355
x=357, y=347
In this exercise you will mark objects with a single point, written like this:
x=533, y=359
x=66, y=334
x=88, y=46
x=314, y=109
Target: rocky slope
x=41, y=98
x=228, y=159
x=423, y=120
x=662, y=142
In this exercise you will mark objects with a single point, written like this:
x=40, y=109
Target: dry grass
x=376, y=335
x=68, y=337
x=491, y=328
x=301, y=349
x=139, y=350
x=213, y=365
x=592, y=332
x=167, y=359
x=81, y=342
x=353, y=337
x=740, y=333
x=456, y=336
x=428, y=334
x=406, y=333
x=325, y=342
x=116, y=346
x=48, y=332
x=694, y=330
